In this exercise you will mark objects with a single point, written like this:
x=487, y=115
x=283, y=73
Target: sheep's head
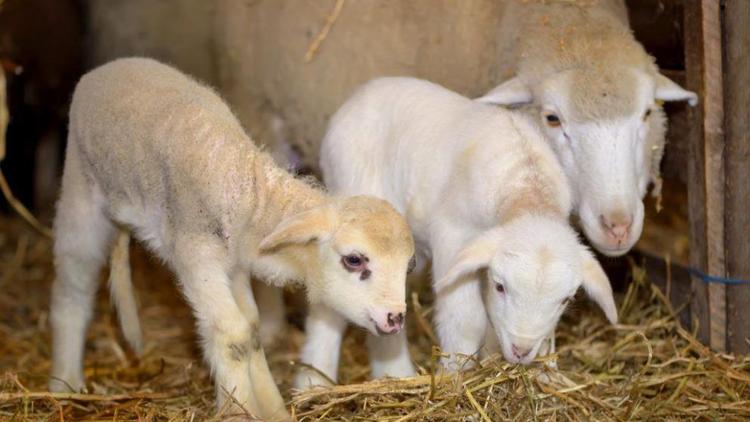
x=607, y=129
x=353, y=255
x=530, y=269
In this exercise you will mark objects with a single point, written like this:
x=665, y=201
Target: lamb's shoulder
x=509, y=168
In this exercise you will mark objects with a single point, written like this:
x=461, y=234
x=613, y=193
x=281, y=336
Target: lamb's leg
x=324, y=330
x=266, y=392
x=121, y=291
x=389, y=356
x=271, y=308
x=226, y=334
x=83, y=235
x=460, y=318
x=548, y=348
x=491, y=343
x=460, y=326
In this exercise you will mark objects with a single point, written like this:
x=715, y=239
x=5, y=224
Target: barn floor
x=645, y=368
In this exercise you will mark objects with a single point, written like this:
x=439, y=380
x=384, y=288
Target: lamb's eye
x=499, y=287
x=646, y=115
x=412, y=264
x=552, y=120
x=353, y=262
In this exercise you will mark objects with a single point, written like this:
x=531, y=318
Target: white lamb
x=154, y=152
x=598, y=94
x=485, y=198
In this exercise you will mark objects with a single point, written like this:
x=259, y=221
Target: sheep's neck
x=275, y=194
x=528, y=202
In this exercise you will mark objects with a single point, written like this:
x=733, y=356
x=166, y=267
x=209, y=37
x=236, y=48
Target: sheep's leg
x=548, y=348
x=389, y=355
x=121, y=291
x=226, y=334
x=460, y=326
x=266, y=392
x=553, y=376
x=271, y=308
x=460, y=320
x=324, y=330
x=491, y=343
x=83, y=235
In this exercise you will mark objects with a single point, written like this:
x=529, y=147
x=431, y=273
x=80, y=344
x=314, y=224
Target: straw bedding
x=645, y=368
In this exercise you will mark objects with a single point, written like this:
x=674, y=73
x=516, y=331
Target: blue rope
x=707, y=278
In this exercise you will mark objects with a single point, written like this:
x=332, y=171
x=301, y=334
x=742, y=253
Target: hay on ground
x=645, y=368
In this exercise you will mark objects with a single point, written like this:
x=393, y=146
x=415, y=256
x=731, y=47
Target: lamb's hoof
x=307, y=378
x=552, y=377
x=67, y=385
x=396, y=370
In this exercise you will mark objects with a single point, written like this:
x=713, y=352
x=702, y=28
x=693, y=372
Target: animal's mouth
x=374, y=327
x=610, y=251
x=379, y=332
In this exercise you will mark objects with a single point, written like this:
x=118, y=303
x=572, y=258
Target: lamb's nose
x=395, y=320
x=520, y=352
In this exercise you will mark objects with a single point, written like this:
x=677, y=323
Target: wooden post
x=737, y=160
x=713, y=132
x=695, y=169
x=706, y=173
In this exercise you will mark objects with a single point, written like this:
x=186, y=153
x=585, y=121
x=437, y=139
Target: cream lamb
x=486, y=200
x=155, y=153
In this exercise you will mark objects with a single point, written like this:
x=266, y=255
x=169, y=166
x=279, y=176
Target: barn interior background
x=262, y=55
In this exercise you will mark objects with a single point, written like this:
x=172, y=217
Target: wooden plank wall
x=694, y=64
x=717, y=43
x=713, y=145
x=736, y=22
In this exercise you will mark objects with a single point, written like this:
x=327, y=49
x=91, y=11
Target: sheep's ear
x=667, y=90
x=597, y=286
x=512, y=92
x=315, y=224
x=474, y=257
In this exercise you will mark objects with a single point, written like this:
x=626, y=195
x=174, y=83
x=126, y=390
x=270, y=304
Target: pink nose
x=616, y=227
x=391, y=324
x=520, y=352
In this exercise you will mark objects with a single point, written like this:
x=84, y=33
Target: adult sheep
x=577, y=58
x=598, y=95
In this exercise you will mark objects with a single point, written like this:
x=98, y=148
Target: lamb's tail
x=121, y=292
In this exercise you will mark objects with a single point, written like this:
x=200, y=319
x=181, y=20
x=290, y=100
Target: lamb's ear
x=512, y=92
x=597, y=286
x=474, y=257
x=315, y=224
x=667, y=90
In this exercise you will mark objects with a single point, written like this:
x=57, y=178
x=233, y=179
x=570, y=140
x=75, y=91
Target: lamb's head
x=607, y=128
x=530, y=268
x=353, y=255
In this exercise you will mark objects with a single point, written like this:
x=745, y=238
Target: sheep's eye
x=552, y=120
x=353, y=262
x=499, y=287
x=412, y=264
x=646, y=115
